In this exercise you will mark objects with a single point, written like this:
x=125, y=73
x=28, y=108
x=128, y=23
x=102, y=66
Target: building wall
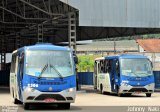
x=141, y=50
x=118, y=13
x=123, y=45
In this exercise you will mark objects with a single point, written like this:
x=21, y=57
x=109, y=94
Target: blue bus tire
x=64, y=105
x=16, y=101
x=26, y=106
x=148, y=94
x=119, y=94
x=101, y=89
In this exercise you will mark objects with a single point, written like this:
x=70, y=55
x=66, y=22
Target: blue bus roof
x=125, y=56
x=43, y=46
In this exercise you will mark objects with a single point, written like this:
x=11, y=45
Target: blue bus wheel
x=101, y=89
x=16, y=101
x=119, y=94
x=148, y=94
x=64, y=105
x=26, y=106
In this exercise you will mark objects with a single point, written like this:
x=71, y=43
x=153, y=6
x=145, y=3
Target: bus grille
x=54, y=96
x=138, y=90
x=137, y=79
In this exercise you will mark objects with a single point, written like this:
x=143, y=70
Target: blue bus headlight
x=30, y=89
x=70, y=90
x=124, y=84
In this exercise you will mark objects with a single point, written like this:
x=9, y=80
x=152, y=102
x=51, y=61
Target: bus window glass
x=110, y=65
x=101, y=66
x=60, y=60
x=105, y=66
x=136, y=67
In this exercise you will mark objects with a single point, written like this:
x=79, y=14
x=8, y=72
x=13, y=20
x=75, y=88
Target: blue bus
x=43, y=73
x=124, y=74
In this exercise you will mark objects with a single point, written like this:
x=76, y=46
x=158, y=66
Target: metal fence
x=86, y=78
x=4, y=78
x=155, y=58
x=157, y=79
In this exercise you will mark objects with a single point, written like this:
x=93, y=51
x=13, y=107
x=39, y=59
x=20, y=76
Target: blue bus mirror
x=117, y=65
x=151, y=64
x=117, y=69
x=21, y=58
x=75, y=59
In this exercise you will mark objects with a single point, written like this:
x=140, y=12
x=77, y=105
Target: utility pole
x=114, y=46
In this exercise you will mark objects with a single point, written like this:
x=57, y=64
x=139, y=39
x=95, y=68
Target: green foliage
x=146, y=36
x=86, y=63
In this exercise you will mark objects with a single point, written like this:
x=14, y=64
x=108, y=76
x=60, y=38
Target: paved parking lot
x=89, y=99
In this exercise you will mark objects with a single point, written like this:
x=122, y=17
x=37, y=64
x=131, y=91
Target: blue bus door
x=112, y=75
x=116, y=75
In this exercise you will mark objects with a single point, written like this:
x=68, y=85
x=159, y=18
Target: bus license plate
x=138, y=92
x=48, y=100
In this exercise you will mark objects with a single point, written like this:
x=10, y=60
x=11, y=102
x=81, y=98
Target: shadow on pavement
x=90, y=89
x=126, y=95
x=4, y=90
x=47, y=107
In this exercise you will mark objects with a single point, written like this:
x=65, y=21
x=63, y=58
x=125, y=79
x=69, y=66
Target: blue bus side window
x=105, y=66
x=110, y=65
x=101, y=66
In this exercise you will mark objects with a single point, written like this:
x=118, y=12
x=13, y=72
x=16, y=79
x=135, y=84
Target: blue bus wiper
x=144, y=74
x=52, y=66
x=43, y=70
x=134, y=73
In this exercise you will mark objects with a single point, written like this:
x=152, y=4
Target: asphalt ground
x=88, y=99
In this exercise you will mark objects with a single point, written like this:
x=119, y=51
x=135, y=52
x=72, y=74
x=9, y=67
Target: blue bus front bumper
x=31, y=95
x=125, y=88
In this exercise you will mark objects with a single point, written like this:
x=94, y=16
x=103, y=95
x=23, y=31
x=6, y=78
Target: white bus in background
x=124, y=74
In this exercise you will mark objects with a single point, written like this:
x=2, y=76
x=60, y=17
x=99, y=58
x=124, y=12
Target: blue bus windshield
x=37, y=59
x=135, y=67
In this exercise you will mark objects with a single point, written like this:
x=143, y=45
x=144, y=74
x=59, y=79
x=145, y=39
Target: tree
x=86, y=64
